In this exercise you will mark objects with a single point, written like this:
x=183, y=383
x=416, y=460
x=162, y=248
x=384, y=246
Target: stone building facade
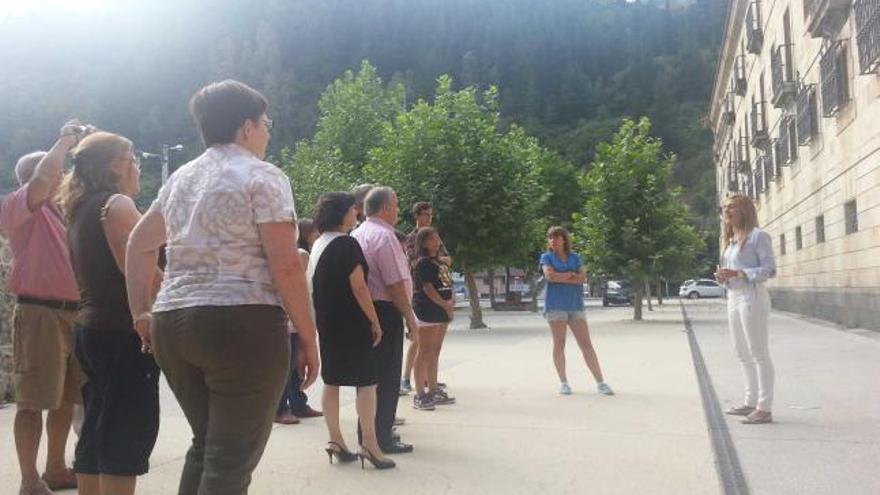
x=796, y=115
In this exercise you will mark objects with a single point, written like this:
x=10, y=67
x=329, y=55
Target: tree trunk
x=637, y=300
x=474, y=297
x=491, y=275
x=507, y=283
x=648, y=293
x=660, y=288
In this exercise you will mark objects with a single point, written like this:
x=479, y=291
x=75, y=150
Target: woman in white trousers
x=746, y=265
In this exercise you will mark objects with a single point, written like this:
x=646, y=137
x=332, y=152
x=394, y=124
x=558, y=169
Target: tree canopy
x=566, y=71
x=633, y=224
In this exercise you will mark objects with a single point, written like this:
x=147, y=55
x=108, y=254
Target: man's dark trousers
x=389, y=362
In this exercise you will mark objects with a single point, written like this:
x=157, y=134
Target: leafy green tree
x=354, y=110
x=483, y=182
x=633, y=224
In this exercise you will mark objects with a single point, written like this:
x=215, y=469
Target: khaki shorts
x=47, y=374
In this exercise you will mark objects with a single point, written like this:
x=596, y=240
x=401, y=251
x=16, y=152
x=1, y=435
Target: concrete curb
x=730, y=472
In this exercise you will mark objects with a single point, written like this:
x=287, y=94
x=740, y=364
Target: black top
x=103, y=298
x=347, y=356
x=335, y=304
x=435, y=272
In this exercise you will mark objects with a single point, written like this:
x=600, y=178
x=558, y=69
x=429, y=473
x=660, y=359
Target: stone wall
x=852, y=308
x=7, y=303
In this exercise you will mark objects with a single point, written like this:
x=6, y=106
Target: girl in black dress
x=348, y=327
x=433, y=305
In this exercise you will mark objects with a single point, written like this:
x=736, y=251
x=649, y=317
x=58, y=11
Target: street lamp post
x=165, y=157
x=166, y=151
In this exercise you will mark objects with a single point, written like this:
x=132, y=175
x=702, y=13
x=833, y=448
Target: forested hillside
x=566, y=70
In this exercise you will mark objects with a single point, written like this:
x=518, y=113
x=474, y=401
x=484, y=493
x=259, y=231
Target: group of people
x=220, y=287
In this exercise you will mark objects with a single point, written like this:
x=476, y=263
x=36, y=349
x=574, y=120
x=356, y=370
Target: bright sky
x=17, y=8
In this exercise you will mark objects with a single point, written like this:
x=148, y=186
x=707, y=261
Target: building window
x=740, y=83
x=754, y=28
x=807, y=115
x=782, y=244
x=820, y=229
x=835, y=82
x=798, y=238
x=867, y=18
x=850, y=213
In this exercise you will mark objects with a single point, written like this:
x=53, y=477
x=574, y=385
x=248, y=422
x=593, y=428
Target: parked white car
x=704, y=287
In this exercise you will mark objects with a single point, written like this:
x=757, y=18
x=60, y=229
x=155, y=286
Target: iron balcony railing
x=807, y=115
x=758, y=178
x=782, y=74
x=747, y=185
x=744, y=155
x=728, y=111
x=835, y=84
x=760, y=137
x=732, y=179
x=754, y=29
x=766, y=165
x=776, y=162
x=737, y=162
x=824, y=18
x=740, y=83
x=783, y=144
x=867, y=18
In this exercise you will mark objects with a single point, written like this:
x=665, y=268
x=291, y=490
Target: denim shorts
x=565, y=315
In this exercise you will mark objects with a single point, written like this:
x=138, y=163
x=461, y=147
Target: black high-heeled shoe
x=341, y=454
x=377, y=463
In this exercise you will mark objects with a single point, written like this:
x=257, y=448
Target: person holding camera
x=47, y=299
x=121, y=379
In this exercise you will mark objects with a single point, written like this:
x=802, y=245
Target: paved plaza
x=512, y=433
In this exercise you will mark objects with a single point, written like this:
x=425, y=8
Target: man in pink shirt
x=391, y=289
x=42, y=279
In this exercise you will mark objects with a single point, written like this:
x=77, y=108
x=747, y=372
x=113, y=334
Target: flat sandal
x=740, y=411
x=758, y=417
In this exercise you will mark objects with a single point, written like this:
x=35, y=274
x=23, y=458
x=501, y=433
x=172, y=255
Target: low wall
x=7, y=305
x=852, y=308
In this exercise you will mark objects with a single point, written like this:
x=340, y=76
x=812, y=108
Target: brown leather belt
x=49, y=303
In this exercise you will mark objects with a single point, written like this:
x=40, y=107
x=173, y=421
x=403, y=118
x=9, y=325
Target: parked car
x=704, y=287
x=617, y=292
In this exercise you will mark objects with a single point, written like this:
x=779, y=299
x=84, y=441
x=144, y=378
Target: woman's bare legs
x=330, y=403
x=582, y=336
x=434, y=372
x=424, y=359
x=366, y=409
x=557, y=328
x=410, y=359
x=430, y=341
x=117, y=485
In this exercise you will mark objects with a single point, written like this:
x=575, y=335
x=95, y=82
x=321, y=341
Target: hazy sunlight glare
x=16, y=8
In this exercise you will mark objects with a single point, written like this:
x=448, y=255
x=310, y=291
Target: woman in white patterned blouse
x=218, y=325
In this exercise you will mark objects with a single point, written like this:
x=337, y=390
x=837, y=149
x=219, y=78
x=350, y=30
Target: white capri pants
x=748, y=311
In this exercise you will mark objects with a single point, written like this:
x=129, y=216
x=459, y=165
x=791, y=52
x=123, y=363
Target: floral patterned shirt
x=212, y=207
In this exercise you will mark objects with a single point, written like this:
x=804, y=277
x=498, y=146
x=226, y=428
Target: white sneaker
x=564, y=389
x=605, y=389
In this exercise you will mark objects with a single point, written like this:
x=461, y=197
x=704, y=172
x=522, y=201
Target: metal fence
x=867, y=21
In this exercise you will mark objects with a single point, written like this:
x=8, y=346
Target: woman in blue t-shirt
x=564, y=306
